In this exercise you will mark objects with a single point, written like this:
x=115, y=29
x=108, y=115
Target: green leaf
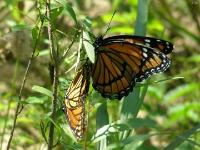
x=34, y=34
x=42, y=90
x=20, y=27
x=56, y=12
x=131, y=105
x=88, y=47
x=101, y=120
x=142, y=17
x=69, y=11
x=87, y=23
x=35, y=100
x=105, y=130
x=121, y=127
x=136, y=139
x=102, y=116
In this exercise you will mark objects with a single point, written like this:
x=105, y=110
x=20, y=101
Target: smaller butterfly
x=74, y=104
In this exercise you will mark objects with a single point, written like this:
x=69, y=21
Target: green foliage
x=161, y=113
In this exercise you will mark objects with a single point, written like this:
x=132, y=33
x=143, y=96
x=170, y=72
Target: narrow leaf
x=35, y=100
x=180, y=139
x=88, y=47
x=34, y=34
x=101, y=120
x=42, y=90
x=70, y=11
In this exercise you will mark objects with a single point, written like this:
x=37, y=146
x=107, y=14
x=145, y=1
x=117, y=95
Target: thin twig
x=55, y=59
x=69, y=47
x=19, y=105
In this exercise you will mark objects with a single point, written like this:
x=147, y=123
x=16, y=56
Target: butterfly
x=74, y=104
x=123, y=60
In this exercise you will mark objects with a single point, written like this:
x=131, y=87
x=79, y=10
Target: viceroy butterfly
x=74, y=104
x=123, y=60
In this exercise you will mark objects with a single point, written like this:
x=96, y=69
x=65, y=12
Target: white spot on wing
x=144, y=49
x=147, y=44
x=145, y=54
x=147, y=40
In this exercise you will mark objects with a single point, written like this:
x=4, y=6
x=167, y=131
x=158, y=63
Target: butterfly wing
x=75, y=102
x=111, y=75
x=120, y=63
x=76, y=119
x=158, y=44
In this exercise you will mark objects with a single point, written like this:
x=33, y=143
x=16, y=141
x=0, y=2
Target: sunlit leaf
x=42, y=90
x=88, y=47
x=35, y=100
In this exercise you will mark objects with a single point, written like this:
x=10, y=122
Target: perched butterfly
x=123, y=60
x=75, y=102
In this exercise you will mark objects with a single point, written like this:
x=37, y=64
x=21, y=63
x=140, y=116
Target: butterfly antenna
x=108, y=27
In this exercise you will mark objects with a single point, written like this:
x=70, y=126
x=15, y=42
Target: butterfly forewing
x=158, y=44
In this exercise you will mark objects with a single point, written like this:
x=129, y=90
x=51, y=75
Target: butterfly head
x=98, y=41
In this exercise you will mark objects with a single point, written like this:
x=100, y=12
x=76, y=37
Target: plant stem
x=19, y=107
x=53, y=111
x=55, y=60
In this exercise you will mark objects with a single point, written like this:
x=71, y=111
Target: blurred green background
x=169, y=117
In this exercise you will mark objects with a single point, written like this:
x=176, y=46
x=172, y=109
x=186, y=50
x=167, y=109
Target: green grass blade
x=101, y=120
x=133, y=102
x=180, y=139
x=142, y=17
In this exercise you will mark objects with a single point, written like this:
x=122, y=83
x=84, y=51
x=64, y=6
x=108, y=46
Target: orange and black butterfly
x=75, y=102
x=123, y=60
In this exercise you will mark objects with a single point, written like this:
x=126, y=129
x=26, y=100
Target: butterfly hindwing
x=74, y=104
x=112, y=77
